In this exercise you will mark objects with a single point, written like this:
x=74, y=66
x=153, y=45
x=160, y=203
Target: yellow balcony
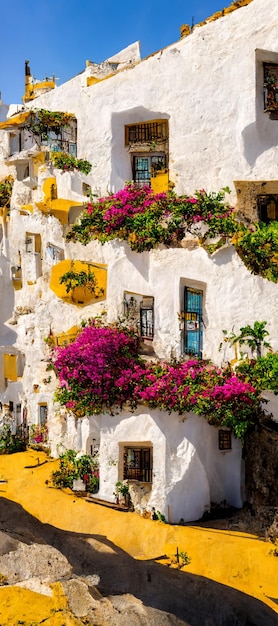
x=80, y=295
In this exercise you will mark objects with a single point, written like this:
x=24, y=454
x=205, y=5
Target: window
x=18, y=414
x=267, y=207
x=138, y=464
x=32, y=243
x=86, y=190
x=270, y=87
x=224, y=440
x=139, y=310
x=147, y=166
x=63, y=139
x=193, y=321
x=42, y=414
x=148, y=146
x=152, y=131
x=54, y=254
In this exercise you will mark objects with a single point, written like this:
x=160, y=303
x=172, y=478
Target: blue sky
x=57, y=36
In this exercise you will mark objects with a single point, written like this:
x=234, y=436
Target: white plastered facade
x=209, y=87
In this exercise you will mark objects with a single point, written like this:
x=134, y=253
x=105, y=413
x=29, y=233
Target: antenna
x=192, y=22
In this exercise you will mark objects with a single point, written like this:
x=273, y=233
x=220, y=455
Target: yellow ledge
x=186, y=30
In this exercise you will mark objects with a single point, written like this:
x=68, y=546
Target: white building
x=197, y=114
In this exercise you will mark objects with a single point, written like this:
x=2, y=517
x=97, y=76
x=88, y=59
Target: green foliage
x=6, y=187
x=258, y=249
x=158, y=516
x=121, y=488
x=181, y=558
x=261, y=373
x=9, y=443
x=73, y=467
x=68, y=163
x=145, y=220
x=43, y=121
x=253, y=337
x=72, y=279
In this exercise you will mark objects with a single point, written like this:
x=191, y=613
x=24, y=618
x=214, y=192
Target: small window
x=139, y=310
x=271, y=87
x=224, y=440
x=33, y=243
x=267, y=208
x=138, y=464
x=42, y=414
x=18, y=414
x=53, y=253
x=86, y=190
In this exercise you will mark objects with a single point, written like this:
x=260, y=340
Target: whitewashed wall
x=189, y=471
x=208, y=85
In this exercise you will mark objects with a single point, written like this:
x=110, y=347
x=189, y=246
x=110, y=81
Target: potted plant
x=122, y=493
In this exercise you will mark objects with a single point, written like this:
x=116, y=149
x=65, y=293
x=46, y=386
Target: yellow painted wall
x=160, y=182
x=66, y=337
x=58, y=207
x=79, y=296
x=10, y=367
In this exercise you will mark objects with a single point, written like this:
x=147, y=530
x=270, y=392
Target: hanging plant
x=87, y=280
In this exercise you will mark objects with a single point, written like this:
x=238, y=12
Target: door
x=193, y=322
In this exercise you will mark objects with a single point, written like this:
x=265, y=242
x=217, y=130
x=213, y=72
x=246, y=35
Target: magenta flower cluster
x=145, y=219
x=101, y=371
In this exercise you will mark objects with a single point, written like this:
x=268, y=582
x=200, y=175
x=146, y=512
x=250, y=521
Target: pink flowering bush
x=101, y=370
x=145, y=219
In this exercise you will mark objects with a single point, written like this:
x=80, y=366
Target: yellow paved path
x=238, y=560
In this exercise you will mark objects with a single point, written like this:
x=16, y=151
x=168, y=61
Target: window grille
x=271, y=87
x=224, y=440
x=147, y=132
x=138, y=464
x=193, y=321
x=145, y=167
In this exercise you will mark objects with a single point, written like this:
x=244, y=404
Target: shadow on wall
x=261, y=135
x=193, y=599
x=121, y=168
x=8, y=336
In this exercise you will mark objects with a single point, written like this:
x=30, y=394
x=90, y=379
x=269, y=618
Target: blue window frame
x=193, y=321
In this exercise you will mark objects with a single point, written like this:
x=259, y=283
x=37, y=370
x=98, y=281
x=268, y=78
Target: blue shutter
x=193, y=323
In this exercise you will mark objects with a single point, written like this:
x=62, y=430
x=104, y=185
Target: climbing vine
x=42, y=122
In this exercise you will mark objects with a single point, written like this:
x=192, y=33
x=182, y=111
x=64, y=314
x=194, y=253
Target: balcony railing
x=142, y=474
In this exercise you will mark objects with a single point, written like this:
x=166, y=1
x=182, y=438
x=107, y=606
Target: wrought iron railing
x=143, y=474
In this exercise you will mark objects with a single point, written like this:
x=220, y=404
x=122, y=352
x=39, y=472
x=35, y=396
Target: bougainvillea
x=101, y=370
x=145, y=220
x=88, y=368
